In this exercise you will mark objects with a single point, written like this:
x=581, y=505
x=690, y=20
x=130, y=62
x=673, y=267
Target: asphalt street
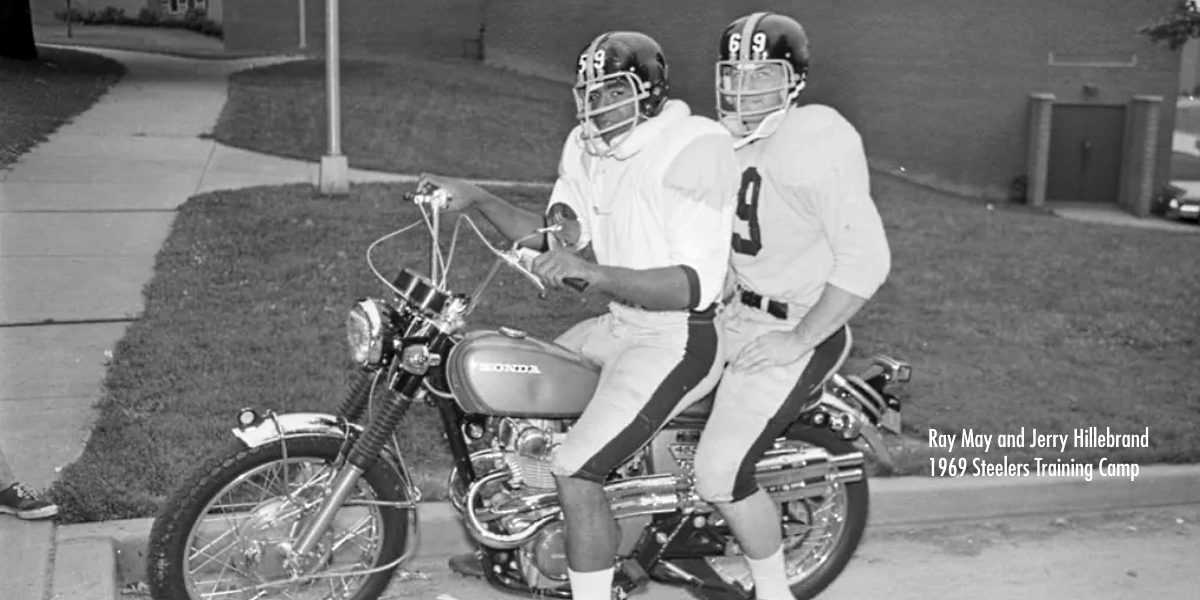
x=1152, y=553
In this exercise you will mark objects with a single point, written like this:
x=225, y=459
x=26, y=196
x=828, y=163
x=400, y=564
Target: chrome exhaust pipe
x=631, y=497
x=785, y=476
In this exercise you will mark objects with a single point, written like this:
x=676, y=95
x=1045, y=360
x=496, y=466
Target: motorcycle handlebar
x=519, y=257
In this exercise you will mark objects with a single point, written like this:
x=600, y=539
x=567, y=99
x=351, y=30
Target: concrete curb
x=895, y=502
x=88, y=569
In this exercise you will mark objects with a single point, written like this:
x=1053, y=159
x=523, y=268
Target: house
x=43, y=10
x=1049, y=101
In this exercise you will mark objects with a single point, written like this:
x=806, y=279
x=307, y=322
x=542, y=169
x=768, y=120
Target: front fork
x=363, y=455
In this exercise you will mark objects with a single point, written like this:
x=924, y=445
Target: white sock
x=770, y=579
x=591, y=585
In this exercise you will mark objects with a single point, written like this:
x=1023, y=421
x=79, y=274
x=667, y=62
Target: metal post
x=335, y=172
x=333, y=75
x=303, y=12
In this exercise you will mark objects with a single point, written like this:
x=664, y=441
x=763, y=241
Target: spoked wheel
x=821, y=533
x=227, y=531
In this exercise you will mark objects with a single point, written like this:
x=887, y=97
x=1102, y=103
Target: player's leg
x=641, y=388
x=749, y=413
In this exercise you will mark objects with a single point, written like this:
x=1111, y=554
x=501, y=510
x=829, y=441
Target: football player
x=808, y=251
x=651, y=188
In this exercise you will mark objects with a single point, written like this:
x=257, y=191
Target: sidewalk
x=81, y=219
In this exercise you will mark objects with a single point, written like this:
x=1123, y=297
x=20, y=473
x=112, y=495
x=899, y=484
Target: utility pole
x=303, y=12
x=335, y=170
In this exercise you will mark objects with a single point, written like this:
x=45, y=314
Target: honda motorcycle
x=309, y=505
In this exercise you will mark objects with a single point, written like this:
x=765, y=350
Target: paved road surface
x=1146, y=554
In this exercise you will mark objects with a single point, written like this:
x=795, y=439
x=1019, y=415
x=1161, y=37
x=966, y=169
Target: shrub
x=195, y=19
x=147, y=17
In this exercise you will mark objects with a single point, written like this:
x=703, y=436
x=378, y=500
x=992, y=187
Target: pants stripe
x=699, y=357
x=826, y=358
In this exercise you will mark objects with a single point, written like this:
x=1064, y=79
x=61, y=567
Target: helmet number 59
x=747, y=210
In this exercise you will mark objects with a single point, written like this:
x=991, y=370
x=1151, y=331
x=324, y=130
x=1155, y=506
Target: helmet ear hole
x=658, y=97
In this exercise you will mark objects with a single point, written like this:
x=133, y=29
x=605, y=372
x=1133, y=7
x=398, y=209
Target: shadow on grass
x=38, y=96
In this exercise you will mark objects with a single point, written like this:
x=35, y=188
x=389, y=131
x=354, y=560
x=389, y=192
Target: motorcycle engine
x=527, y=445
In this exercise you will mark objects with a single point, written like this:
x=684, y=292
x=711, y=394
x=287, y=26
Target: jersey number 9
x=747, y=210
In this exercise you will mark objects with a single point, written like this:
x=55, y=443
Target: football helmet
x=761, y=68
x=620, y=79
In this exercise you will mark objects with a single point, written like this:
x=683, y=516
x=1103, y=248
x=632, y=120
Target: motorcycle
x=322, y=505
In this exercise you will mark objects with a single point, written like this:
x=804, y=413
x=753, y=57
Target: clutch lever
x=429, y=195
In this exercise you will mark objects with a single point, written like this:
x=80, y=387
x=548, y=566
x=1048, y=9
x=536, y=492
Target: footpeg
x=630, y=576
x=469, y=564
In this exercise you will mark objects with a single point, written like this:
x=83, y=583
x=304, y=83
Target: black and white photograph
x=599, y=300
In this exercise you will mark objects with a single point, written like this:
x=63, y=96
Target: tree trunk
x=16, y=30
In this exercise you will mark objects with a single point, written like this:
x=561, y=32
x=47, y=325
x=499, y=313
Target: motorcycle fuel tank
x=506, y=373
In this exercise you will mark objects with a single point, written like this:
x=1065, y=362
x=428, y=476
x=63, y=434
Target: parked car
x=1183, y=209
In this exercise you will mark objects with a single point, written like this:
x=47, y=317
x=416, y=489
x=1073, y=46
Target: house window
x=178, y=7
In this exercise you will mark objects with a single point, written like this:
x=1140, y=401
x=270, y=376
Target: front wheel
x=226, y=531
x=821, y=533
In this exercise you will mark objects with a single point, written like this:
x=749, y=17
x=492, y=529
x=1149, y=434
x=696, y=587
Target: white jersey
x=805, y=217
x=665, y=198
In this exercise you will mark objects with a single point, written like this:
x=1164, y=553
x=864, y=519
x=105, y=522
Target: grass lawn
x=162, y=40
x=407, y=116
x=1011, y=319
x=37, y=96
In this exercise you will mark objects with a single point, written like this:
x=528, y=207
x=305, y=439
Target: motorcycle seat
x=697, y=414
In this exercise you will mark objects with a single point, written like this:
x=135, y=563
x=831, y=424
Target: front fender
x=274, y=427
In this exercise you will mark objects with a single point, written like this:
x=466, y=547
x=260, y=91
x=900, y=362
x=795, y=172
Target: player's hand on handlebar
x=460, y=194
x=561, y=268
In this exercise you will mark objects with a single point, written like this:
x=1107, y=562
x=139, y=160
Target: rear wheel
x=225, y=532
x=821, y=533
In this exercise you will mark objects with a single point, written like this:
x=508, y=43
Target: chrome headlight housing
x=369, y=333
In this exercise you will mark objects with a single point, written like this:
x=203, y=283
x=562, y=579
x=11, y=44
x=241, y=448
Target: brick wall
x=940, y=87
x=368, y=27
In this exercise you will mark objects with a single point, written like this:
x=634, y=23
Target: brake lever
x=518, y=257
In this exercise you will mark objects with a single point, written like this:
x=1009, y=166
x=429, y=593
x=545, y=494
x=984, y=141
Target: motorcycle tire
x=857, y=502
x=174, y=524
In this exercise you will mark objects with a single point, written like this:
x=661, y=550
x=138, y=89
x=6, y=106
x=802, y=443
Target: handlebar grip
x=576, y=283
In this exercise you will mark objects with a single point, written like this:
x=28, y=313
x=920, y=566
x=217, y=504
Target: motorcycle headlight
x=368, y=333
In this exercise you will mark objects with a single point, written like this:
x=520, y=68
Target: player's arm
x=700, y=185
x=862, y=258
x=513, y=221
x=833, y=309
